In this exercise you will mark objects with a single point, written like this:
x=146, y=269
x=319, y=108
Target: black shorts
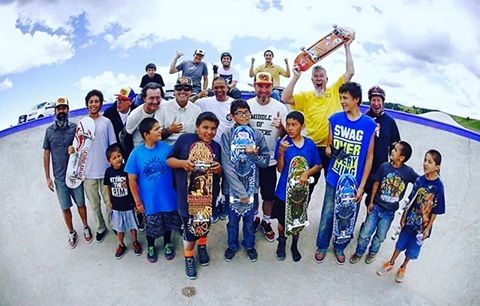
x=158, y=223
x=278, y=211
x=268, y=180
x=187, y=235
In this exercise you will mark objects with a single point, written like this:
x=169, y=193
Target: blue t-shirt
x=154, y=177
x=354, y=138
x=181, y=150
x=308, y=150
x=429, y=199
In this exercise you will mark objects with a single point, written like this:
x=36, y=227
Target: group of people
x=138, y=162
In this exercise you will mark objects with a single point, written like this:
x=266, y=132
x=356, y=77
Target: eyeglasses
x=183, y=87
x=242, y=114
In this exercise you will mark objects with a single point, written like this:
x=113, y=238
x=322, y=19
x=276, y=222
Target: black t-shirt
x=117, y=182
x=156, y=78
x=181, y=151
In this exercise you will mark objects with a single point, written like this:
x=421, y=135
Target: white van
x=41, y=110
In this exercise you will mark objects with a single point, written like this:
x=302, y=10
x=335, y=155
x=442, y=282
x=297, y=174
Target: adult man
x=267, y=117
x=274, y=70
x=317, y=105
x=97, y=162
x=118, y=113
x=194, y=69
x=151, y=97
x=58, y=137
x=229, y=73
x=178, y=115
x=386, y=134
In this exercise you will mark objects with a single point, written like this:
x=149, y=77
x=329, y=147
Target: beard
x=61, y=119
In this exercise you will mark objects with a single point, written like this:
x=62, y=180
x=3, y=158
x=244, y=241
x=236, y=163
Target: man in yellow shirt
x=274, y=70
x=317, y=105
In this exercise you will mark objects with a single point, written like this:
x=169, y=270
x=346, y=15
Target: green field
x=468, y=123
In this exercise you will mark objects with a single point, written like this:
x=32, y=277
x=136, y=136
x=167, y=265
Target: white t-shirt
x=221, y=110
x=97, y=162
x=133, y=121
x=262, y=119
x=229, y=75
x=187, y=115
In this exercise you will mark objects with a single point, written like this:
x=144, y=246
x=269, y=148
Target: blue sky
x=424, y=53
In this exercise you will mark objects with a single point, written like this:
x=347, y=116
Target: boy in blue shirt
x=291, y=145
x=151, y=183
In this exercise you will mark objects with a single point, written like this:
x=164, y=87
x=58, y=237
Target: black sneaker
x=296, y=256
x=152, y=254
x=252, y=254
x=137, y=248
x=203, y=255
x=72, y=239
x=268, y=231
x=190, y=270
x=281, y=254
x=99, y=237
x=256, y=223
x=229, y=254
x=215, y=214
x=121, y=250
x=141, y=222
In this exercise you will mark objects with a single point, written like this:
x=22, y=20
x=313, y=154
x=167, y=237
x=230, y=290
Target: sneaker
x=400, y=275
x=355, y=258
x=99, y=237
x=215, y=214
x=252, y=254
x=152, y=254
x=256, y=223
x=281, y=254
x=268, y=231
x=87, y=234
x=190, y=270
x=296, y=256
x=386, y=267
x=203, y=255
x=169, y=251
x=339, y=259
x=223, y=209
x=229, y=254
x=141, y=222
x=137, y=248
x=121, y=250
x=370, y=258
x=319, y=256
x=72, y=239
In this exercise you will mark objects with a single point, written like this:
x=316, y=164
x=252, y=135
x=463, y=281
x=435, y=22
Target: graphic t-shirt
x=308, y=150
x=154, y=177
x=229, y=75
x=393, y=184
x=117, y=182
x=429, y=199
x=354, y=138
x=195, y=72
x=221, y=110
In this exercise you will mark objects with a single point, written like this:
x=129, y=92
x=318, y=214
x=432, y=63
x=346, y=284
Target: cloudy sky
x=424, y=53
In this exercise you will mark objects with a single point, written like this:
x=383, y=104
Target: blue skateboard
x=345, y=209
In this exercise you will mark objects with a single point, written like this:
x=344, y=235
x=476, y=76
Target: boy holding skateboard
x=390, y=183
x=350, y=145
x=291, y=145
x=178, y=159
x=260, y=155
x=428, y=201
x=151, y=183
x=120, y=197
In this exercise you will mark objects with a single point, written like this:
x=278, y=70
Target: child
x=151, y=183
x=260, y=155
x=122, y=215
x=350, y=144
x=390, y=183
x=206, y=128
x=291, y=145
x=417, y=221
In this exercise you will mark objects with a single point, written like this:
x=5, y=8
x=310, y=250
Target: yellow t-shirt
x=317, y=109
x=274, y=70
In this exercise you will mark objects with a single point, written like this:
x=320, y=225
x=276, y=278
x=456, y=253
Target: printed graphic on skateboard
x=345, y=209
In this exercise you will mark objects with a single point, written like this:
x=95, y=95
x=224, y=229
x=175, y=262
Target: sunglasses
x=183, y=87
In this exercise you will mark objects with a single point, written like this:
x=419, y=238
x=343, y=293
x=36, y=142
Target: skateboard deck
x=242, y=137
x=200, y=189
x=406, y=206
x=84, y=135
x=319, y=50
x=345, y=209
x=296, y=201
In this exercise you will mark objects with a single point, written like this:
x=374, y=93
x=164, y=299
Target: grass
x=468, y=123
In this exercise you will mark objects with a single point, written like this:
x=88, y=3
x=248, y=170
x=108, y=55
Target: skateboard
x=296, y=202
x=199, y=189
x=329, y=43
x=242, y=137
x=345, y=209
x=84, y=135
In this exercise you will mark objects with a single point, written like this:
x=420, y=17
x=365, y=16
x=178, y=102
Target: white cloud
x=108, y=83
x=6, y=84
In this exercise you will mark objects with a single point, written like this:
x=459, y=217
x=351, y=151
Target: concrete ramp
x=37, y=267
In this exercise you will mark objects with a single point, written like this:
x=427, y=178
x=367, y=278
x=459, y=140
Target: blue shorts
x=65, y=195
x=407, y=241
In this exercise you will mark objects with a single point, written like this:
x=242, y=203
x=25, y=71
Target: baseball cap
x=263, y=78
x=61, y=101
x=200, y=51
x=126, y=93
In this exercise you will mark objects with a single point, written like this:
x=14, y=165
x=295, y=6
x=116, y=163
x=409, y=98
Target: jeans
x=380, y=220
x=325, y=227
x=233, y=227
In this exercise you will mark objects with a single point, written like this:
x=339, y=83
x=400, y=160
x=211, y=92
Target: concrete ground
x=37, y=267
